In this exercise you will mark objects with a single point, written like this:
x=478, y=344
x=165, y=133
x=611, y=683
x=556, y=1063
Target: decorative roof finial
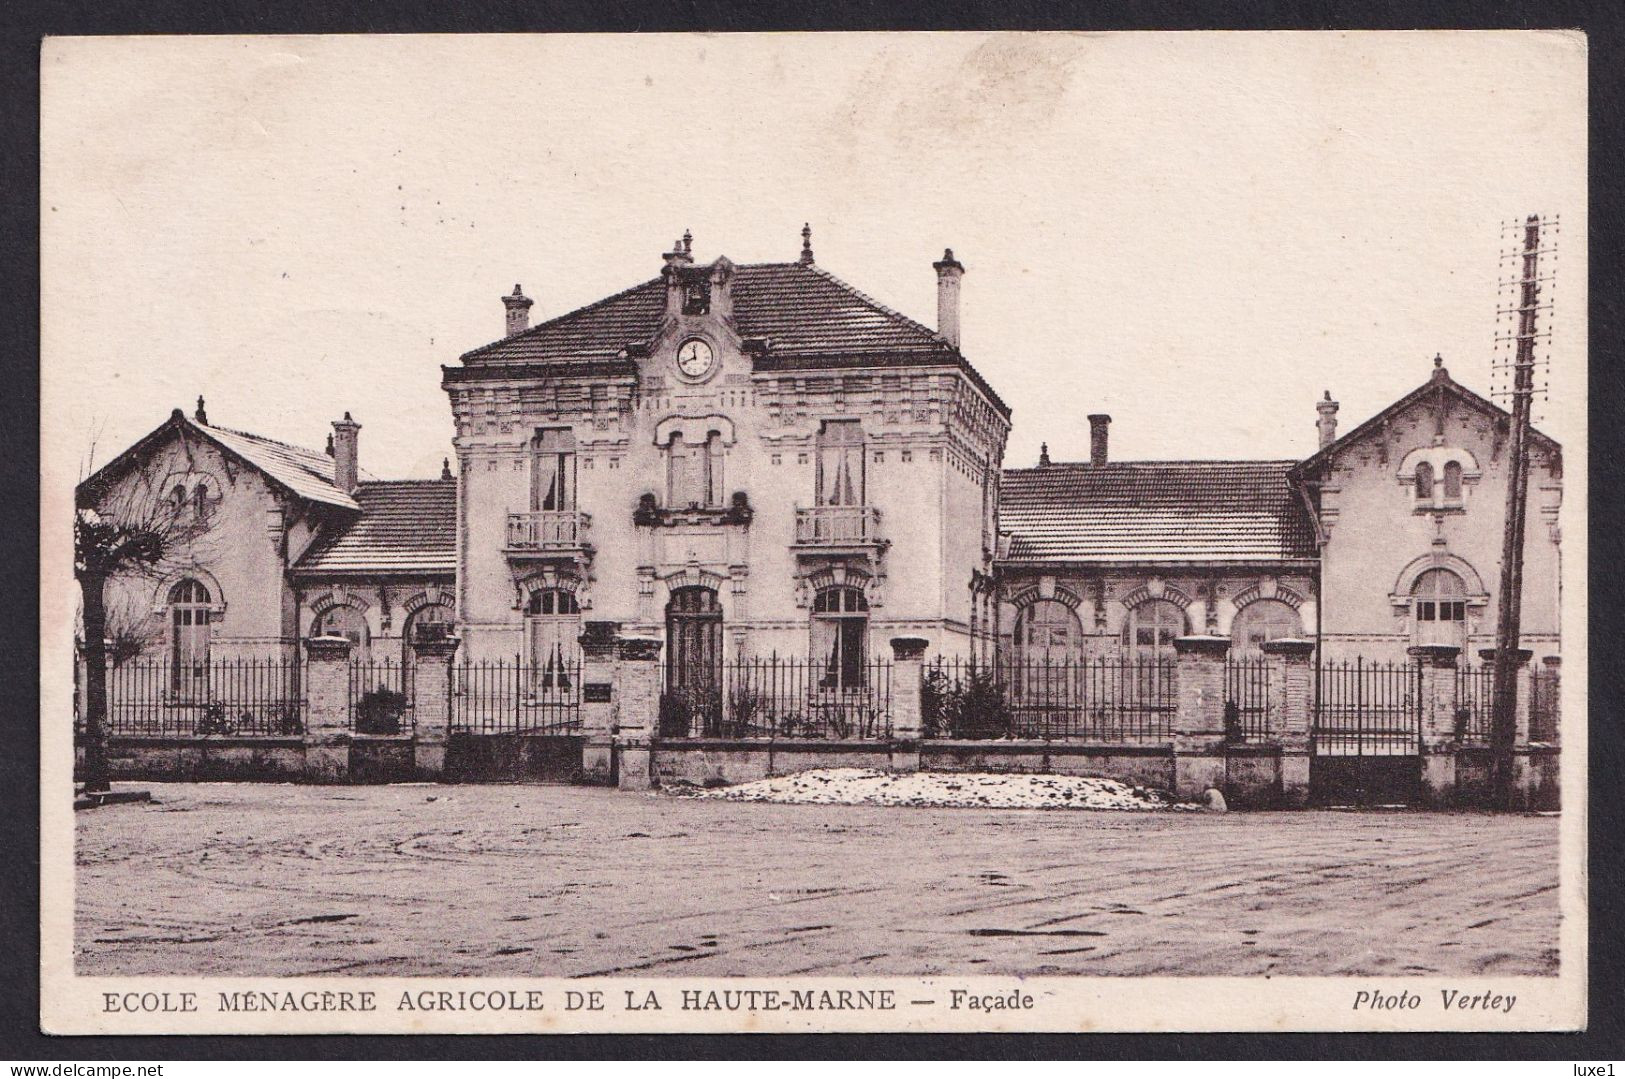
x=806, y=244
x=1438, y=359
x=1043, y=453
x=330, y=444
x=1440, y=372
x=445, y=468
x=200, y=415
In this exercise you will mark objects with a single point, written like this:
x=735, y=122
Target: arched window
x=553, y=622
x=1439, y=602
x=1152, y=626
x=190, y=615
x=200, y=501
x=1452, y=481
x=840, y=636
x=1263, y=620
x=349, y=623
x=178, y=497
x=693, y=639
x=426, y=623
x=1047, y=632
x=1424, y=482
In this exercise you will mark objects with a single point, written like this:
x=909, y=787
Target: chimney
x=200, y=415
x=949, y=271
x=345, y=438
x=1043, y=453
x=518, y=306
x=1098, y=424
x=806, y=244
x=1327, y=424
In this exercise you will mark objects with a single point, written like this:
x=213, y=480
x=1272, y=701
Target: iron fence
x=242, y=697
x=381, y=697
x=1471, y=718
x=1247, y=700
x=1368, y=709
x=1544, y=688
x=514, y=697
x=1104, y=699
x=782, y=698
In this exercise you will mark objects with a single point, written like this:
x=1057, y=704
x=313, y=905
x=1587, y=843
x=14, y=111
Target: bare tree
x=127, y=529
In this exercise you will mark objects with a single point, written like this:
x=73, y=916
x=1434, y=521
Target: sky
x=1196, y=233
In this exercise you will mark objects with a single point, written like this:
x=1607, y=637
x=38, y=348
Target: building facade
x=736, y=460
x=746, y=460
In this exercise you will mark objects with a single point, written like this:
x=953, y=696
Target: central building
x=740, y=460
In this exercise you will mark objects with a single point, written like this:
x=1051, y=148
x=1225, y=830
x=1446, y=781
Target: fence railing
x=1367, y=709
x=1544, y=689
x=1247, y=700
x=515, y=697
x=246, y=697
x=781, y=698
x=381, y=697
x=1103, y=699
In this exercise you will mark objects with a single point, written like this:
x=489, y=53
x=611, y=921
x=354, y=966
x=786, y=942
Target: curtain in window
x=840, y=631
x=554, y=622
x=840, y=464
x=552, y=471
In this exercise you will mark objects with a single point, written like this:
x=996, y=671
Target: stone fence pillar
x=1199, y=759
x=637, y=709
x=1438, y=708
x=907, y=719
x=598, y=702
x=1438, y=691
x=431, y=704
x=327, y=709
x=1292, y=674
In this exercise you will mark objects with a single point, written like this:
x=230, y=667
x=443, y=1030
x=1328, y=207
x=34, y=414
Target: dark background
x=24, y=23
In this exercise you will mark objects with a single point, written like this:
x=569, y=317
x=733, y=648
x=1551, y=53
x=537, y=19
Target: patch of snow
x=974, y=790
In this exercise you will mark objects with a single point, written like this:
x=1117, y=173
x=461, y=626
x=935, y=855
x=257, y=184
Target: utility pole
x=1503, y=715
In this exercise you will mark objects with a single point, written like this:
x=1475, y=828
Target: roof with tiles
x=1143, y=512
x=307, y=473
x=810, y=318
x=406, y=526
x=800, y=308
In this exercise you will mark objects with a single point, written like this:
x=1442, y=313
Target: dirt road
x=567, y=881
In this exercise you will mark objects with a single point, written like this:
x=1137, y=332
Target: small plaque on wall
x=595, y=692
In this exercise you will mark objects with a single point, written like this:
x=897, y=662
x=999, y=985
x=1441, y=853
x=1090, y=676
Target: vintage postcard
x=842, y=532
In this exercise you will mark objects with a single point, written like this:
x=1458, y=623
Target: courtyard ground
x=260, y=879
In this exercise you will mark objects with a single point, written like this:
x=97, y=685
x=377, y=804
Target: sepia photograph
x=929, y=531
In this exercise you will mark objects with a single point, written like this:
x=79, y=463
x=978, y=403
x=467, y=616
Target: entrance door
x=692, y=703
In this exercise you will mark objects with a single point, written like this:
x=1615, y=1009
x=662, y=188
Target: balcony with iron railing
x=547, y=532
x=827, y=528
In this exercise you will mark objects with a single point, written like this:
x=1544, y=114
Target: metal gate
x=1367, y=734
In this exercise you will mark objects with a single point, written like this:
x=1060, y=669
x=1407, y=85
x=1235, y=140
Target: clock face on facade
x=694, y=358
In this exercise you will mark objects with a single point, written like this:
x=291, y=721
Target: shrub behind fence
x=1101, y=699
x=247, y=697
x=381, y=697
x=781, y=697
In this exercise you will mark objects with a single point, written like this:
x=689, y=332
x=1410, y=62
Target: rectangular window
x=553, y=470
x=840, y=476
x=1425, y=610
